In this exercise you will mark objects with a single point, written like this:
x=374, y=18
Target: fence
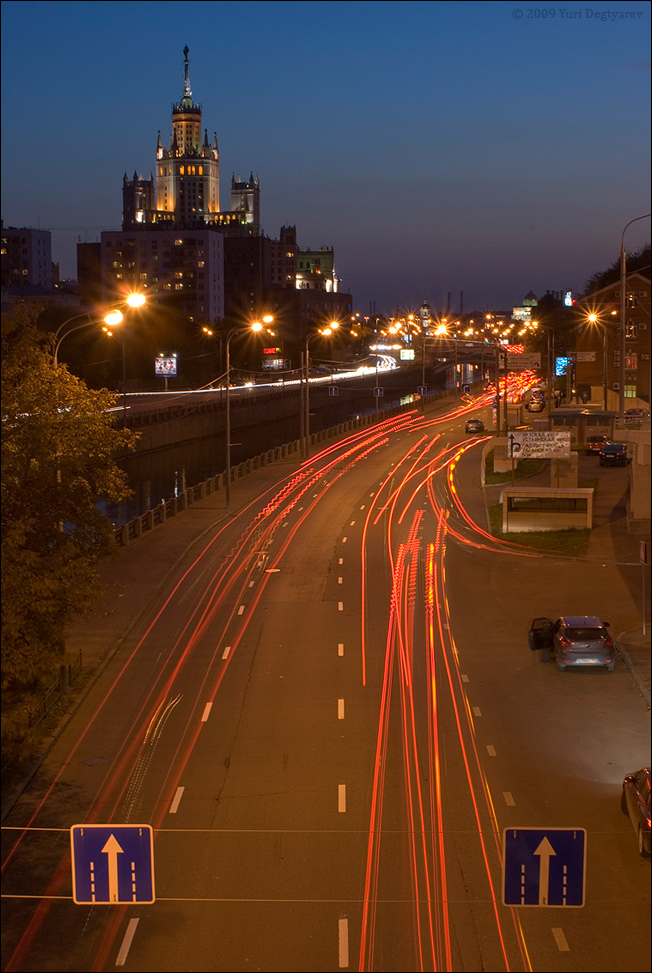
x=167, y=509
x=51, y=697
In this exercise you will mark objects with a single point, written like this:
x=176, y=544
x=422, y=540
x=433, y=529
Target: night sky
x=488, y=148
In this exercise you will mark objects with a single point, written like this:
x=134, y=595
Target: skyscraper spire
x=187, y=93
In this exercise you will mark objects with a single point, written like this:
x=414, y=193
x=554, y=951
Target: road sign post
x=112, y=864
x=544, y=867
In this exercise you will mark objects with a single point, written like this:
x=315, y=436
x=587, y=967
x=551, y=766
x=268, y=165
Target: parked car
x=536, y=405
x=474, y=425
x=573, y=641
x=595, y=443
x=614, y=454
x=635, y=802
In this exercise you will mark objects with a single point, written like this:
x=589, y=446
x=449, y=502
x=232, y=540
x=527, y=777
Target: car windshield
x=584, y=634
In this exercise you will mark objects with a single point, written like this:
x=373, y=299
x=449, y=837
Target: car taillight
x=609, y=643
x=564, y=641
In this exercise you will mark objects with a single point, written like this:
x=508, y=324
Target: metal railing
x=164, y=511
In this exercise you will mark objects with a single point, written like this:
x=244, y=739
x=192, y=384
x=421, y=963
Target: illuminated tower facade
x=188, y=172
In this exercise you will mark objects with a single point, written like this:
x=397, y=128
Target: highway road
x=329, y=718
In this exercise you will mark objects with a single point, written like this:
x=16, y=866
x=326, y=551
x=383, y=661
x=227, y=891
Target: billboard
x=542, y=444
x=166, y=366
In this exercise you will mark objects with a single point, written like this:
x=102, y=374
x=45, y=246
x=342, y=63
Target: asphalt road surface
x=329, y=720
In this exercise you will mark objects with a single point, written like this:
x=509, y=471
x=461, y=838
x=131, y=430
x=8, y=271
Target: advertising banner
x=541, y=444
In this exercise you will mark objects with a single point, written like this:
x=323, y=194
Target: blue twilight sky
x=488, y=148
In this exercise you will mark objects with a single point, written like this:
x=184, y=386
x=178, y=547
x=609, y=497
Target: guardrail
x=164, y=511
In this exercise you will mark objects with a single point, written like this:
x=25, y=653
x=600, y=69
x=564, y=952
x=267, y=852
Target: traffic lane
x=555, y=734
x=282, y=776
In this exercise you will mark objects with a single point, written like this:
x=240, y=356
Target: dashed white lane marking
x=341, y=798
x=352, y=523
x=241, y=609
x=226, y=651
x=340, y=648
x=177, y=800
x=207, y=709
x=251, y=584
x=509, y=800
x=341, y=561
x=340, y=709
x=126, y=942
x=339, y=580
x=560, y=939
x=340, y=606
x=490, y=750
x=476, y=711
x=344, y=540
x=343, y=943
x=362, y=507
x=465, y=678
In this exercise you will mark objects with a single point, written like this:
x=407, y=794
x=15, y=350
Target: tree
x=640, y=260
x=57, y=450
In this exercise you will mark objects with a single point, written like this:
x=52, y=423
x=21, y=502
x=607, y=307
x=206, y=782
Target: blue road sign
x=544, y=866
x=422, y=389
x=333, y=390
x=112, y=863
x=378, y=392
x=466, y=389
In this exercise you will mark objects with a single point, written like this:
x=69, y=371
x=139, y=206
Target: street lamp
x=593, y=319
x=550, y=370
x=306, y=399
x=256, y=326
x=112, y=318
x=623, y=327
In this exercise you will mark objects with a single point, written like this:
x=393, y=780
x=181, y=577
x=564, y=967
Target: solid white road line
x=177, y=800
x=343, y=943
x=126, y=942
x=560, y=939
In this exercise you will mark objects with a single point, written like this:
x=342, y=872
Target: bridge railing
x=164, y=511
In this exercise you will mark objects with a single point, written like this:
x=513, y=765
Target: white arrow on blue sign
x=112, y=863
x=544, y=866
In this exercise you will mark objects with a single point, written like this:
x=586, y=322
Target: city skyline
x=439, y=148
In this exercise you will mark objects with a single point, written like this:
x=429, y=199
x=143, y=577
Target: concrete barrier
x=166, y=509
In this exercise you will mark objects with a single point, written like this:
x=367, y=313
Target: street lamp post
x=306, y=401
x=593, y=319
x=623, y=323
x=112, y=319
x=256, y=326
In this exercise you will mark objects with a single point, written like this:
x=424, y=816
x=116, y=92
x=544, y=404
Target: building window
x=630, y=391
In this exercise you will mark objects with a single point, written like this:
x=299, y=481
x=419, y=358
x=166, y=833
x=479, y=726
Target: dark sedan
x=474, y=425
x=614, y=454
x=635, y=802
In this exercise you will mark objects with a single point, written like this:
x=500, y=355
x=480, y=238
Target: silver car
x=574, y=641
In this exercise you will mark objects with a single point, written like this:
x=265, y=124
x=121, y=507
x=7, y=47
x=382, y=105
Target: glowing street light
x=325, y=332
x=112, y=318
x=255, y=327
